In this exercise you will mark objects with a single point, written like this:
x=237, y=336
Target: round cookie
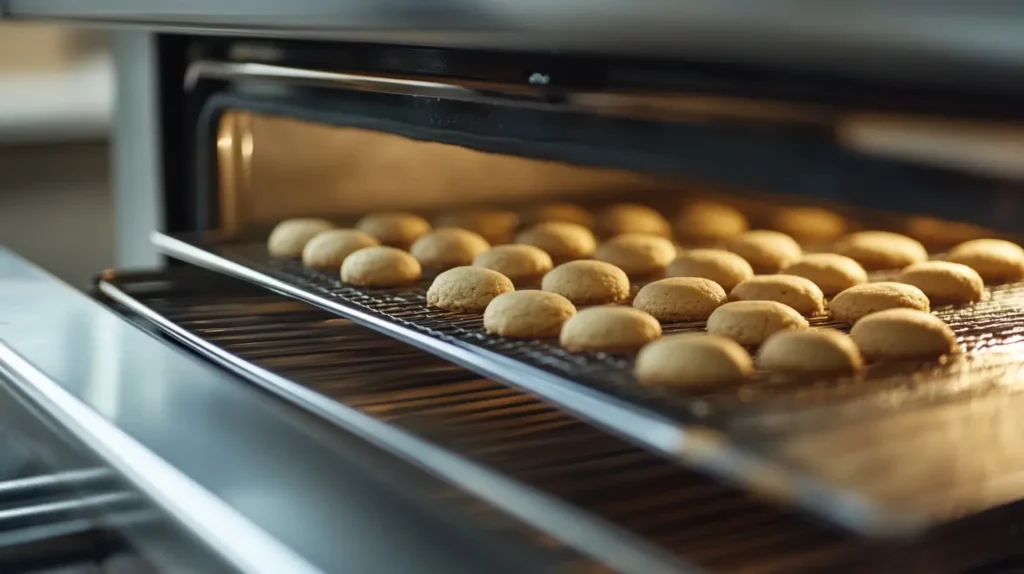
x=328, y=249
x=527, y=314
x=517, y=262
x=939, y=234
x=749, y=323
x=809, y=225
x=632, y=218
x=876, y=250
x=707, y=222
x=563, y=212
x=721, y=266
x=766, y=251
x=831, y=272
x=394, y=228
x=903, y=334
x=997, y=261
x=692, y=361
x=562, y=241
x=587, y=282
x=380, y=267
x=851, y=305
x=824, y=351
x=944, y=282
x=680, y=299
x=609, y=330
x=291, y=235
x=637, y=254
x=467, y=289
x=495, y=225
x=448, y=247
x=801, y=294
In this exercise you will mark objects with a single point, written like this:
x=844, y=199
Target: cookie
x=636, y=254
x=291, y=235
x=632, y=218
x=497, y=226
x=692, y=361
x=527, y=314
x=817, y=351
x=801, y=294
x=562, y=241
x=831, y=272
x=520, y=263
x=876, y=250
x=997, y=261
x=766, y=251
x=944, y=283
x=467, y=289
x=680, y=299
x=562, y=212
x=903, y=334
x=940, y=235
x=394, y=228
x=709, y=222
x=328, y=249
x=609, y=330
x=721, y=266
x=749, y=323
x=809, y=225
x=448, y=247
x=380, y=267
x=853, y=304
x=587, y=282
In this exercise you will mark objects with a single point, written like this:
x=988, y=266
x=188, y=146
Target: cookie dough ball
x=859, y=301
x=632, y=218
x=495, y=225
x=708, y=222
x=520, y=263
x=796, y=292
x=562, y=241
x=903, y=334
x=831, y=272
x=680, y=299
x=561, y=212
x=528, y=314
x=944, y=283
x=766, y=251
x=818, y=351
x=291, y=235
x=940, y=235
x=448, y=247
x=394, y=228
x=587, y=282
x=721, y=266
x=750, y=323
x=692, y=361
x=997, y=261
x=809, y=225
x=876, y=250
x=328, y=249
x=609, y=330
x=467, y=289
x=636, y=254
x=380, y=267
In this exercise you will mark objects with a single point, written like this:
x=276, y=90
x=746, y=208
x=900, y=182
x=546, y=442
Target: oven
x=253, y=414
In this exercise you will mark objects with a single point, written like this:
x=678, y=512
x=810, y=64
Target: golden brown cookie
x=709, y=222
x=609, y=330
x=796, y=292
x=562, y=241
x=587, y=282
x=944, y=283
x=692, y=361
x=766, y=251
x=520, y=263
x=632, y=218
x=394, y=228
x=467, y=289
x=903, y=334
x=497, y=226
x=680, y=299
x=809, y=225
x=829, y=271
x=853, y=304
x=637, y=254
x=876, y=250
x=328, y=249
x=939, y=235
x=997, y=261
x=380, y=267
x=527, y=314
x=291, y=235
x=817, y=351
x=749, y=323
x=563, y=212
x=448, y=247
x=721, y=266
